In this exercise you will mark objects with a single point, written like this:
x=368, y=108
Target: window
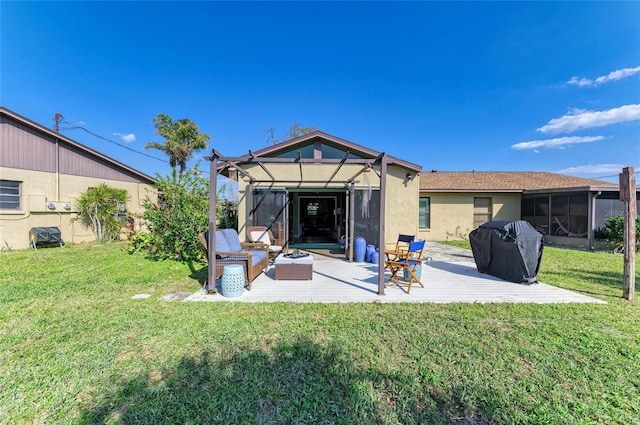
x=482, y=211
x=424, y=217
x=10, y=195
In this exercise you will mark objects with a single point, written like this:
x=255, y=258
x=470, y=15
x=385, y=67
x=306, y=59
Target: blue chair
x=408, y=263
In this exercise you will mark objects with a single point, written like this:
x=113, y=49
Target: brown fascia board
x=470, y=190
x=351, y=147
x=42, y=129
x=572, y=189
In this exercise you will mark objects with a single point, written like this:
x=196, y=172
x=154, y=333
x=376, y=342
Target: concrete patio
x=450, y=277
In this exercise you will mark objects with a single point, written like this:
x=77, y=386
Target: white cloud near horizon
x=581, y=119
x=612, y=76
x=594, y=169
x=127, y=138
x=559, y=142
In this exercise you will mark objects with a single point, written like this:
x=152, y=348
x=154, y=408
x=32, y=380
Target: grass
x=75, y=348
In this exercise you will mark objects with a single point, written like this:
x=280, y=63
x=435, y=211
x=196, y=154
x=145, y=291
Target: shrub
x=99, y=208
x=179, y=215
x=613, y=231
x=176, y=219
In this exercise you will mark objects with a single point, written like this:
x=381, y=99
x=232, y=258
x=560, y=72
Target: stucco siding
x=452, y=213
x=401, y=213
x=41, y=188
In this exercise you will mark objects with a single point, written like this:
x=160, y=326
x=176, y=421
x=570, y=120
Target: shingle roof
x=505, y=181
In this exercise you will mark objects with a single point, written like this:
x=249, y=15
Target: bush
x=99, y=208
x=613, y=231
x=176, y=219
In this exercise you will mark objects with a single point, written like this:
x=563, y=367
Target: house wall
x=452, y=213
x=402, y=194
x=40, y=188
x=53, y=169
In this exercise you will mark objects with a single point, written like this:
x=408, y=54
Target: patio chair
x=400, y=247
x=229, y=250
x=407, y=263
x=263, y=235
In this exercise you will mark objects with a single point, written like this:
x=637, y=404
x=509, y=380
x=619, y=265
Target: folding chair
x=400, y=248
x=407, y=263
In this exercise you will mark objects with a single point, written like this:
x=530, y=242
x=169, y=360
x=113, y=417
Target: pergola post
x=381, y=232
x=211, y=244
x=352, y=231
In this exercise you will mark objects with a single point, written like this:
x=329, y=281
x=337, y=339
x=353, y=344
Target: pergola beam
x=346, y=155
x=238, y=162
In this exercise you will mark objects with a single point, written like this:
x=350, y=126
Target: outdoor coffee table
x=291, y=268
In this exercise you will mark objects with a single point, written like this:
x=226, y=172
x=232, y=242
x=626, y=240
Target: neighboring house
x=43, y=173
x=318, y=189
x=567, y=210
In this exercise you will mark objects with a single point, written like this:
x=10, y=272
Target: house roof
x=335, y=141
x=97, y=155
x=506, y=181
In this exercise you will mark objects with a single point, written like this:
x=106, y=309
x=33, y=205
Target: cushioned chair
x=229, y=250
x=407, y=263
x=263, y=235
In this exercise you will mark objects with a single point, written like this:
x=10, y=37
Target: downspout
x=57, y=188
x=592, y=215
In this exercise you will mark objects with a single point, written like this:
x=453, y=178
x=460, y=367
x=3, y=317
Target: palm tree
x=182, y=139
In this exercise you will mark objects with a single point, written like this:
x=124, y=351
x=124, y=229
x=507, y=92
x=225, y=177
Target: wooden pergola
x=220, y=163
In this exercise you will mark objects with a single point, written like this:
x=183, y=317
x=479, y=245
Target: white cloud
x=127, y=138
x=612, y=76
x=580, y=119
x=594, y=169
x=581, y=82
x=559, y=143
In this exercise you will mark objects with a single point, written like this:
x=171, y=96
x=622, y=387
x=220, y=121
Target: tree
x=99, y=208
x=182, y=139
x=295, y=130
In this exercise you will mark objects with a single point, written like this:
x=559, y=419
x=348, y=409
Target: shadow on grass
x=198, y=274
x=288, y=383
x=607, y=280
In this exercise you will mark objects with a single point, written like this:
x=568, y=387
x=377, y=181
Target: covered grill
x=510, y=250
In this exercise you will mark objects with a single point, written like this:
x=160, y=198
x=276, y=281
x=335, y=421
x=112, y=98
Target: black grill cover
x=510, y=250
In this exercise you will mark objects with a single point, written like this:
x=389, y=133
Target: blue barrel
x=359, y=247
x=375, y=257
x=367, y=255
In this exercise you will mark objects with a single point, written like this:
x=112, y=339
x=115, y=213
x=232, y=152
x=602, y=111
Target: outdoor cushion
x=232, y=240
x=257, y=256
x=260, y=236
x=221, y=242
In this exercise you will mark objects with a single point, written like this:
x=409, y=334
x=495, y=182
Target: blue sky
x=452, y=86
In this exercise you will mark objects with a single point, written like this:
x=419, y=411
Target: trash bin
x=510, y=250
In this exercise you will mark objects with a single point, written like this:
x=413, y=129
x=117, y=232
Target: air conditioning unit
x=44, y=236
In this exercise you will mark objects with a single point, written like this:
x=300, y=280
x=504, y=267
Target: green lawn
x=75, y=348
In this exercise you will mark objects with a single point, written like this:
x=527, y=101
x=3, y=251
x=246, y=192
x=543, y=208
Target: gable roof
x=334, y=141
x=78, y=146
x=507, y=181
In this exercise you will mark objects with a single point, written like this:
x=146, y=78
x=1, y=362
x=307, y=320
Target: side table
x=232, y=280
